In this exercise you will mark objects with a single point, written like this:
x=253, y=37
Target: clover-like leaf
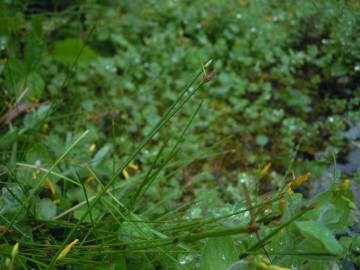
x=320, y=235
x=219, y=253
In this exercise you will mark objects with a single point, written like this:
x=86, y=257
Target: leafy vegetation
x=122, y=148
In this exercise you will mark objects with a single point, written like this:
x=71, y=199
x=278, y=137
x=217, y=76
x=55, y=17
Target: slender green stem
x=168, y=115
x=41, y=182
x=148, y=181
x=265, y=240
x=217, y=233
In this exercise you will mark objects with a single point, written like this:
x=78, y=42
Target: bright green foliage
x=69, y=50
x=219, y=253
x=45, y=209
x=99, y=76
x=319, y=235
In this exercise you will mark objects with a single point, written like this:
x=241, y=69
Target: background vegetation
x=84, y=83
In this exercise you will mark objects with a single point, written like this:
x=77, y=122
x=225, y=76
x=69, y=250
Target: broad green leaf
x=36, y=117
x=9, y=199
x=333, y=210
x=77, y=194
x=68, y=50
x=45, y=209
x=95, y=213
x=346, y=242
x=219, y=253
x=101, y=154
x=356, y=242
x=320, y=235
x=38, y=154
x=34, y=52
x=35, y=84
x=129, y=231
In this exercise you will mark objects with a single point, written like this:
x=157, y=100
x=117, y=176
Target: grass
x=113, y=167
x=150, y=239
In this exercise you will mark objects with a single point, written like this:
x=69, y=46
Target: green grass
x=114, y=87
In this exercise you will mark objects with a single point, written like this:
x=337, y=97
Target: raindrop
x=253, y=29
x=357, y=68
x=238, y=16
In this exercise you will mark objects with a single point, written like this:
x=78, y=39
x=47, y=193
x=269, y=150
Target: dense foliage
x=246, y=172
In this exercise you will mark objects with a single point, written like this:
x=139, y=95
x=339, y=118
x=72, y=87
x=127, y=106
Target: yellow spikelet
x=282, y=205
x=133, y=166
x=89, y=180
x=92, y=148
x=345, y=184
x=45, y=126
x=67, y=249
x=50, y=185
x=15, y=250
x=57, y=201
x=289, y=190
x=299, y=181
x=275, y=267
x=265, y=171
x=263, y=264
x=125, y=174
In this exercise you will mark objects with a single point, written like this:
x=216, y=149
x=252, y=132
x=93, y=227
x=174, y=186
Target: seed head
x=265, y=171
x=209, y=76
x=15, y=250
x=67, y=249
x=345, y=184
x=299, y=181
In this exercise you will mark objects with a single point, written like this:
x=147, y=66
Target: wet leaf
x=68, y=50
x=219, y=253
x=45, y=209
x=320, y=235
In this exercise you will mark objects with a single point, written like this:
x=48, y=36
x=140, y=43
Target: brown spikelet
x=208, y=77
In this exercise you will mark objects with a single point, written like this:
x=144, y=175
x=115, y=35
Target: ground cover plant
x=179, y=134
